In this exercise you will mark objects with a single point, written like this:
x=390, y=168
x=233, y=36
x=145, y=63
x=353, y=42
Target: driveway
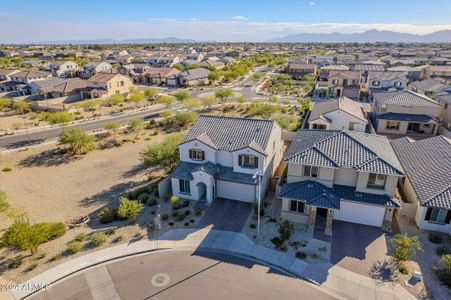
x=358, y=247
x=226, y=214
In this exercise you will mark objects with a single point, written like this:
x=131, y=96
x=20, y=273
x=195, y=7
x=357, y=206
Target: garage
x=235, y=191
x=360, y=213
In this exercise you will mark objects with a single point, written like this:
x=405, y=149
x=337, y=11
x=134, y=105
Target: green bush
x=286, y=229
x=7, y=169
x=405, y=246
x=4, y=204
x=98, y=239
x=129, y=209
x=143, y=198
x=74, y=247
x=277, y=241
x=31, y=267
x=435, y=238
x=301, y=255
x=164, y=217
x=180, y=217
x=444, y=270
x=81, y=237
x=118, y=239
x=403, y=269
x=15, y=262
x=108, y=215
x=152, y=201
x=175, y=201
x=110, y=231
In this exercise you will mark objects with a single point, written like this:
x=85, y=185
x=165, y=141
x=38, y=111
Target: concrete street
x=182, y=275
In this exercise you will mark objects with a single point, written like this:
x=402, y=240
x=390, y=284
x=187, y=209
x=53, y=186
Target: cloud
x=239, y=18
x=312, y=3
x=203, y=30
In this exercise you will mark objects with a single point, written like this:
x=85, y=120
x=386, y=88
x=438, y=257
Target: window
x=311, y=171
x=353, y=126
x=195, y=154
x=383, y=107
x=392, y=125
x=248, y=161
x=438, y=215
x=297, y=206
x=376, y=83
x=184, y=186
x=376, y=181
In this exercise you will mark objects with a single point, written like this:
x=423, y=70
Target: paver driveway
x=226, y=214
x=358, y=247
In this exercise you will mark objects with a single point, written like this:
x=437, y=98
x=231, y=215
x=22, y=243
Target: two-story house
x=340, y=175
x=338, y=114
x=106, y=84
x=324, y=71
x=96, y=67
x=5, y=78
x=386, y=82
x=427, y=184
x=299, y=70
x=405, y=112
x=232, y=158
x=64, y=68
x=190, y=78
x=344, y=83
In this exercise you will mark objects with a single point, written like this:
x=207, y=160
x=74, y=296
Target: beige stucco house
x=103, y=85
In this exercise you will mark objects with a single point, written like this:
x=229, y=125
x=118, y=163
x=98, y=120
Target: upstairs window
x=248, y=161
x=376, y=181
x=311, y=171
x=376, y=83
x=195, y=154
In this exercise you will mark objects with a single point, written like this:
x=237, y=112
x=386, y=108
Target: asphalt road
x=182, y=275
x=20, y=140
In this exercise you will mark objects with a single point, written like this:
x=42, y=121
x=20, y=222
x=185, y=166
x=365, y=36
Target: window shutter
x=428, y=214
x=448, y=217
x=240, y=160
x=256, y=162
x=190, y=153
x=203, y=155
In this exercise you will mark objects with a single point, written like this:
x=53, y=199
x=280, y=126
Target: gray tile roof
x=427, y=164
x=345, y=104
x=227, y=174
x=195, y=74
x=230, y=134
x=344, y=149
x=317, y=194
x=407, y=98
x=429, y=85
x=406, y=117
x=184, y=169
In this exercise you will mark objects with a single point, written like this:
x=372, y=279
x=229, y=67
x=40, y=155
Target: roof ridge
x=439, y=193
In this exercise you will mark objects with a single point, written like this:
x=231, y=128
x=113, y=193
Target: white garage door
x=360, y=213
x=235, y=191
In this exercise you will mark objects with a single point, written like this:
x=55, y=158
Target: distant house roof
x=430, y=85
x=427, y=164
x=103, y=77
x=387, y=75
x=345, y=104
x=195, y=74
x=406, y=117
x=231, y=134
x=335, y=68
x=352, y=75
x=31, y=74
x=407, y=98
x=161, y=72
x=367, y=67
x=6, y=72
x=344, y=149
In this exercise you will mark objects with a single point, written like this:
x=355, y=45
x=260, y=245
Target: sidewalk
x=338, y=281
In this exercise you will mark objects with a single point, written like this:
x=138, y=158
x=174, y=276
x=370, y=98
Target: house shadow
x=48, y=158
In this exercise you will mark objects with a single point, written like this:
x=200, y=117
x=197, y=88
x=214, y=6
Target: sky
x=218, y=20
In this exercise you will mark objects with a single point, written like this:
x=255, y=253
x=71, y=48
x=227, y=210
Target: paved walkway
x=336, y=280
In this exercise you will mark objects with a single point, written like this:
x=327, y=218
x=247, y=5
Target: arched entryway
x=202, y=191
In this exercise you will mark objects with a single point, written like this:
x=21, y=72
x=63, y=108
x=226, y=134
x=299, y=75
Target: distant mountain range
x=167, y=40
x=373, y=35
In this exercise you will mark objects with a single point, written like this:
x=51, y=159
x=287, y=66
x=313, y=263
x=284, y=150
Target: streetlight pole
x=258, y=175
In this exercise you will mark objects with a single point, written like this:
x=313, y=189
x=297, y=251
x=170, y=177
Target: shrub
x=175, y=213
x=301, y=255
x=31, y=267
x=443, y=250
x=185, y=203
x=55, y=258
x=74, y=247
x=286, y=229
x=4, y=204
x=108, y=215
x=180, y=217
x=81, y=237
x=7, y=169
x=129, y=209
x=15, y=262
x=255, y=207
x=198, y=212
x=41, y=255
x=98, y=239
x=253, y=226
x=134, y=195
x=435, y=238
x=143, y=198
x=403, y=269
x=405, y=246
x=153, y=200
x=277, y=241
x=156, y=132
x=110, y=231
x=78, y=141
x=164, y=217
x=118, y=239
x=444, y=271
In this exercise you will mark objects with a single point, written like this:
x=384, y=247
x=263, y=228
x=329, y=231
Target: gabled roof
x=345, y=74
x=344, y=149
x=407, y=98
x=430, y=85
x=387, y=75
x=231, y=134
x=31, y=74
x=345, y=104
x=427, y=164
x=195, y=74
x=103, y=77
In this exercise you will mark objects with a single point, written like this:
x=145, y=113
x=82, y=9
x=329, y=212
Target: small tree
x=4, y=204
x=115, y=99
x=21, y=107
x=79, y=141
x=191, y=103
x=241, y=99
x=166, y=100
x=5, y=102
x=136, y=97
x=286, y=229
x=166, y=113
x=208, y=101
x=129, y=209
x=91, y=105
x=223, y=95
x=112, y=127
x=444, y=270
x=151, y=94
x=60, y=117
x=405, y=246
x=165, y=154
x=175, y=201
x=213, y=76
x=182, y=96
x=135, y=126
x=273, y=99
x=185, y=118
x=256, y=76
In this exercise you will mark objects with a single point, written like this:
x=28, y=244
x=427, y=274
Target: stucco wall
x=184, y=151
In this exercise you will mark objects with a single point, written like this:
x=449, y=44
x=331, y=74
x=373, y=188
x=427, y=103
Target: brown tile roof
x=103, y=77
x=345, y=74
x=31, y=74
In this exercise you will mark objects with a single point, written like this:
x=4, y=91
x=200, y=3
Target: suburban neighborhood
x=312, y=165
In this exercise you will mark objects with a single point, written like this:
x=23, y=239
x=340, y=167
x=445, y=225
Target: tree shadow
x=385, y=271
x=135, y=170
x=49, y=158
